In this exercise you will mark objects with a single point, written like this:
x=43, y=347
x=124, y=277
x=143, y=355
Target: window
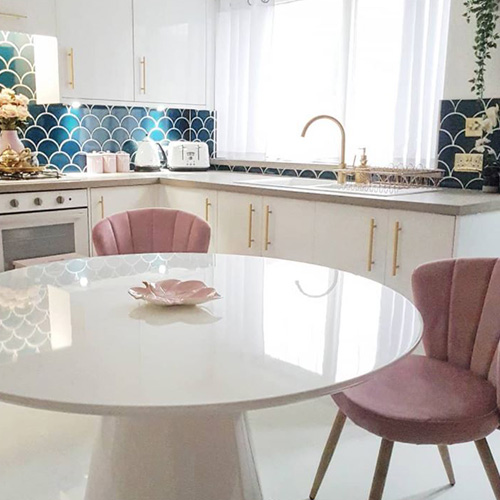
x=376, y=66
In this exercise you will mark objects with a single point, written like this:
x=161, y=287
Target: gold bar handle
x=101, y=202
x=395, y=266
x=15, y=16
x=267, y=243
x=143, y=75
x=371, y=262
x=71, y=57
x=251, y=211
x=207, y=208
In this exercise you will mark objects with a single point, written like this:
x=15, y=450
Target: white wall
x=460, y=59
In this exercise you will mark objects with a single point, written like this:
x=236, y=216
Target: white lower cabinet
x=352, y=239
x=288, y=227
x=380, y=244
x=108, y=201
x=268, y=226
x=200, y=202
x=416, y=238
x=239, y=224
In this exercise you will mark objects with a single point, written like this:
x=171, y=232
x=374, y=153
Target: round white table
x=173, y=384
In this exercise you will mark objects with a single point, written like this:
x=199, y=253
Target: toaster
x=183, y=155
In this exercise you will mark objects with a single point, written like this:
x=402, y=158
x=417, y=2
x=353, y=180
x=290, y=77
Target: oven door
x=42, y=234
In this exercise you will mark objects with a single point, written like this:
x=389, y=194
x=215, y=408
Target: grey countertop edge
x=277, y=164
x=447, y=202
x=389, y=203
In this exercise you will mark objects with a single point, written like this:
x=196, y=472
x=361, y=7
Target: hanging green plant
x=486, y=14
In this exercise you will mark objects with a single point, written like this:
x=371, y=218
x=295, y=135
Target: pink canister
x=95, y=163
x=122, y=162
x=109, y=163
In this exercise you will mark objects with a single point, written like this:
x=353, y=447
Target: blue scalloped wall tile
x=452, y=140
x=17, y=63
x=61, y=135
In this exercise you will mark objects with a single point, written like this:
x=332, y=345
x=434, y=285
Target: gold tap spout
x=342, y=133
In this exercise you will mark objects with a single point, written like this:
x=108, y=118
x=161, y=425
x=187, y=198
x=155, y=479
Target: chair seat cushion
x=422, y=400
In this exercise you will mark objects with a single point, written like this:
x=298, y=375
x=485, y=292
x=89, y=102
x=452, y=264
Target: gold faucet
x=341, y=177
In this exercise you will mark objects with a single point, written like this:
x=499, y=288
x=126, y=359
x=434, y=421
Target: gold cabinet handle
x=251, y=211
x=71, y=57
x=267, y=243
x=371, y=262
x=395, y=251
x=101, y=202
x=15, y=16
x=207, y=208
x=143, y=75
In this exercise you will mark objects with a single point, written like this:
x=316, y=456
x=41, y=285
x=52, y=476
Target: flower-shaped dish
x=175, y=293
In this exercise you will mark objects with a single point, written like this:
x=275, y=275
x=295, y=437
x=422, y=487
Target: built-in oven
x=42, y=226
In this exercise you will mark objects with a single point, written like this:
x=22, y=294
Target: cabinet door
x=108, y=201
x=239, y=224
x=415, y=238
x=96, y=49
x=288, y=229
x=171, y=48
x=200, y=202
x=350, y=238
x=28, y=16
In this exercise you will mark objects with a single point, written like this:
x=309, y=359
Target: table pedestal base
x=173, y=458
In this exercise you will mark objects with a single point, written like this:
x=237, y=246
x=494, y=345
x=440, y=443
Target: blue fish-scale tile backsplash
x=452, y=140
x=61, y=135
x=17, y=63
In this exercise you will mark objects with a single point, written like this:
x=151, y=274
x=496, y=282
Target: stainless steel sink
x=327, y=186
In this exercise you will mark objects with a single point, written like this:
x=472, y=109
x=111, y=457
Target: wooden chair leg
x=384, y=458
x=489, y=466
x=326, y=457
x=445, y=457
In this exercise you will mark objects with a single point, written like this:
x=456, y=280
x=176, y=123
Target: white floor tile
x=45, y=456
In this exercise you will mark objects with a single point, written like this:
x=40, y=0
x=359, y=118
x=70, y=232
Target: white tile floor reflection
x=44, y=456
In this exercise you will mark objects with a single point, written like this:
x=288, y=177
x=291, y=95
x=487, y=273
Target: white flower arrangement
x=13, y=110
x=488, y=124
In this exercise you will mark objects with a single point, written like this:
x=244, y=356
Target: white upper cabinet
x=28, y=16
x=96, y=49
x=173, y=51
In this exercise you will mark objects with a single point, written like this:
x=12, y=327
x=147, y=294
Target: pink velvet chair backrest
x=460, y=304
x=151, y=230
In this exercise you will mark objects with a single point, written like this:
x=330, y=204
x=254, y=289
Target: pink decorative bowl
x=175, y=293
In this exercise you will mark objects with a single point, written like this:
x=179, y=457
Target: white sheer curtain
x=378, y=66
x=244, y=38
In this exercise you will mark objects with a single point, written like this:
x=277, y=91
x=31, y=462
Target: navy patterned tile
x=17, y=63
x=60, y=134
x=452, y=140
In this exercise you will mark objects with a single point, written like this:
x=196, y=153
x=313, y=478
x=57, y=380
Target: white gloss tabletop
x=72, y=339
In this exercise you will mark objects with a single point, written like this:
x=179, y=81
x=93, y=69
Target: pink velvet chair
x=449, y=396
x=151, y=230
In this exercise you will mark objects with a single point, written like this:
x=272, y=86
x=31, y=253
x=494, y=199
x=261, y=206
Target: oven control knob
x=60, y=200
x=38, y=201
x=14, y=203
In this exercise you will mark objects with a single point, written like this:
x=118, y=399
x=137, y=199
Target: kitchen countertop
x=445, y=201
